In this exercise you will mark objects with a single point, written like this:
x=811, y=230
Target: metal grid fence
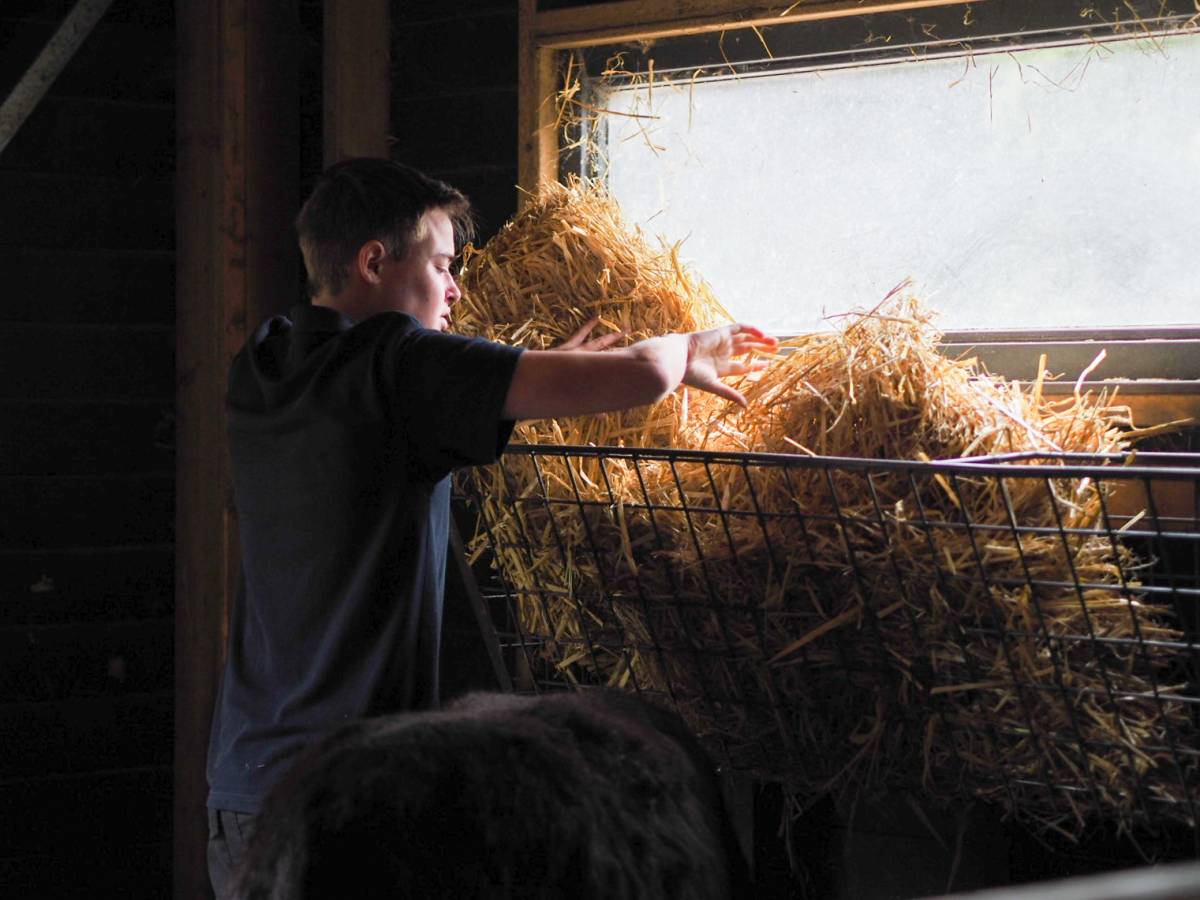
x=1017, y=628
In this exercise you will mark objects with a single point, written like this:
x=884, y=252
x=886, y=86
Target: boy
x=346, y=418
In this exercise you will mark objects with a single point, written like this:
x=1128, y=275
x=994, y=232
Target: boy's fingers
x=755, y=337
x=722, y=390
x=755, y=351
x=750, y=332
x=604, y=341
x=752, y=347
x=735, y=396
x=580, y=336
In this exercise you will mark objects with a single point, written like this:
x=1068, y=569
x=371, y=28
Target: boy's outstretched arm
x=571, y=382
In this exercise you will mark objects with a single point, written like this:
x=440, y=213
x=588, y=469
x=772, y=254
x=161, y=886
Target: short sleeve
x=449, y=395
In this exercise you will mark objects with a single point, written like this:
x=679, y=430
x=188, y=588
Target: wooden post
x=237, y=176
x=537, y=148
x=357, y=59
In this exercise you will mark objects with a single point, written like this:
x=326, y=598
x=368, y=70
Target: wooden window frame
x=544, y=33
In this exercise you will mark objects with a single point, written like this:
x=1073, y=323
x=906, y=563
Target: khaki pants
x=228, y=833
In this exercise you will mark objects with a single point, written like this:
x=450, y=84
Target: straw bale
x=568, y=257
x=809, y=622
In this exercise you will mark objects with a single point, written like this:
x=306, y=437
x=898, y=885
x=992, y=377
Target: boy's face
x=422, y=283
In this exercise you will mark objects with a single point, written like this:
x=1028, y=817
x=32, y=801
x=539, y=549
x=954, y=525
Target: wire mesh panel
x=1021, y=629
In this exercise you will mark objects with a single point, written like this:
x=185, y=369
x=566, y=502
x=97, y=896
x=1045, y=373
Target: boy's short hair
x=365, y=199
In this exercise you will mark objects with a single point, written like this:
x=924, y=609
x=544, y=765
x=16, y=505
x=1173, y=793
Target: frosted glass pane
x=1045, y=187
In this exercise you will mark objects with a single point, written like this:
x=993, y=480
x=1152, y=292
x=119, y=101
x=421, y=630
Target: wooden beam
x=236, y=191
x=1154, y=404
x=357, y=65
x=537, y=147
x=629, y=20
x=59, y=50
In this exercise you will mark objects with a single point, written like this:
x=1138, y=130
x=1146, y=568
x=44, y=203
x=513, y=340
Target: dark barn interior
x=144, y=230
x=88, y=508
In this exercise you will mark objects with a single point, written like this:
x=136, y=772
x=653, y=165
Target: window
x=1034, y=168
x=1043, y=187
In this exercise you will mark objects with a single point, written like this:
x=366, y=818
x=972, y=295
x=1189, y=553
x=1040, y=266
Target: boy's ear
x=368, y=261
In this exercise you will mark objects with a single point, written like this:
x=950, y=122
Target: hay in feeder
x=975, y=647
x=834, y=626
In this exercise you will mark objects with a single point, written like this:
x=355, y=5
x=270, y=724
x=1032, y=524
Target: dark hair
x=366, y=199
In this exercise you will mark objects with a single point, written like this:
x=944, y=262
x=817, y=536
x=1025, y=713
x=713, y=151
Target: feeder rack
x=1019, y=628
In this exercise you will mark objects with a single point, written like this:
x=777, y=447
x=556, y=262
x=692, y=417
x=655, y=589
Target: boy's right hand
x=712, y=355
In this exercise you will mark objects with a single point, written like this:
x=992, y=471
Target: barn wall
x=454, y=98
x=86, y=334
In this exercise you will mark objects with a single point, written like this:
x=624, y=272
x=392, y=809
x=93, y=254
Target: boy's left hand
x=579, y=340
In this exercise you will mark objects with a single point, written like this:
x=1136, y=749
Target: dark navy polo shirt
x=342, y=438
